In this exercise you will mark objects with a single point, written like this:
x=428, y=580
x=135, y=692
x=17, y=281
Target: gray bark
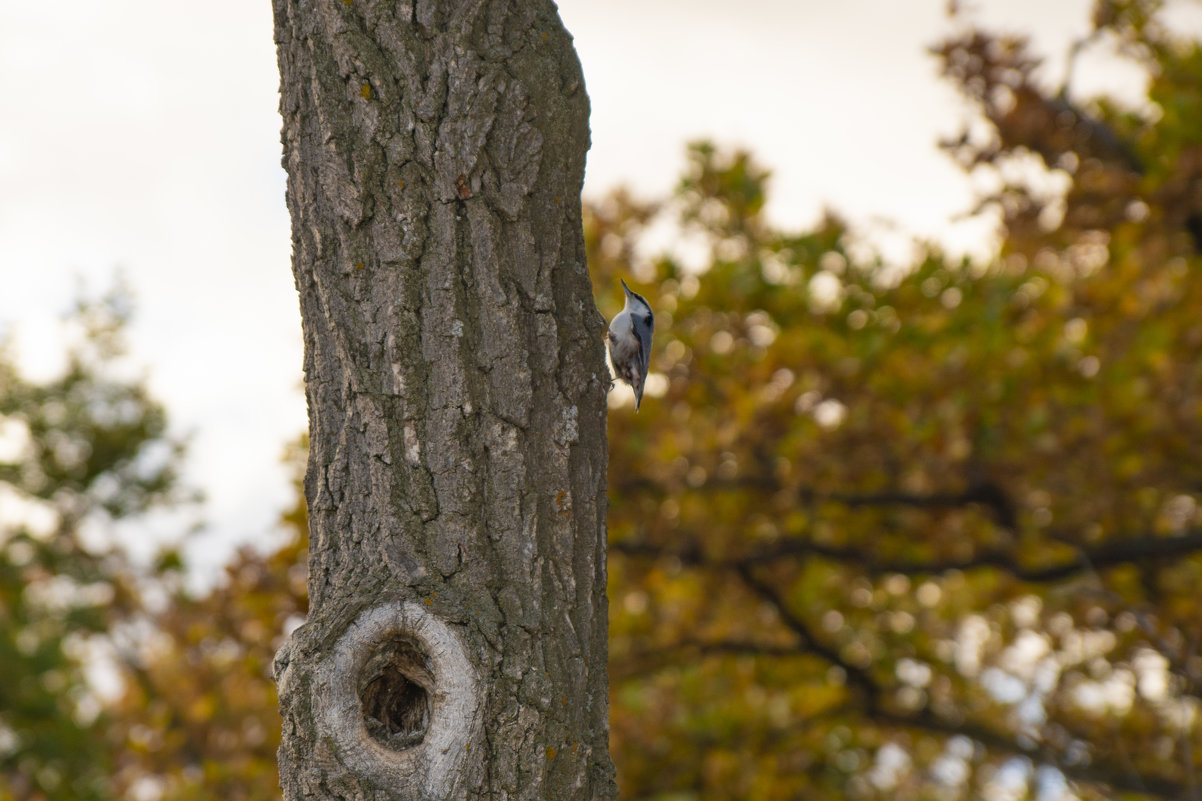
x=456, y=640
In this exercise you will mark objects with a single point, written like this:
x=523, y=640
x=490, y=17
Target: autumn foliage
x=918, y=531
x=930, y=532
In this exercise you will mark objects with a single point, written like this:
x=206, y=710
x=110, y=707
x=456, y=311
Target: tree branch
x=642, y=663
x=982, y=493
x=1002, y=510
x=857, y=678
x=1128, y=550
x=1096, y=773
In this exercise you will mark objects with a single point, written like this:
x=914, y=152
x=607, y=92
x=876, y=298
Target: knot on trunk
x=394, y=692
x=397, y=700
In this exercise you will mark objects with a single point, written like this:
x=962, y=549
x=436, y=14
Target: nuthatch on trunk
x=630, y=342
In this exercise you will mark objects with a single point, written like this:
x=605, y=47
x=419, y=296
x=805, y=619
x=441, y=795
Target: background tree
x=198, y=716
x=928, y=532
x=455, y=641
x=82, y=451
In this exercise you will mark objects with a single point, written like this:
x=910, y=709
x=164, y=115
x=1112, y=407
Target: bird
x=630, y=342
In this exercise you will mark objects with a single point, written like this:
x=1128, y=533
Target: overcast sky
x=143, y=136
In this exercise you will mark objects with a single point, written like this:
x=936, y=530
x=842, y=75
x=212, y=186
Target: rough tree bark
x=456, y=639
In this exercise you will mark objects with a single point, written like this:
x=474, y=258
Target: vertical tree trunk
x=456, y=641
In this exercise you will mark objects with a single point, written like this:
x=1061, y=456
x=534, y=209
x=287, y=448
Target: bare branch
x=642, y=663
x=1142, y=549
x=984, y=493
x=857, y=678
x=1095, y=773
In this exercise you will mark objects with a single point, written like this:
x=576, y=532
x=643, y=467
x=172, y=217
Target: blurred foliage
x=929, y=532
x=923, y=531
x=199, y=719
x=79, y=451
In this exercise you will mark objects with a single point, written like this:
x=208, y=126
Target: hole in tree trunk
x=394, y=690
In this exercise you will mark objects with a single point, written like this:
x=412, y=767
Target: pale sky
x=143, y=136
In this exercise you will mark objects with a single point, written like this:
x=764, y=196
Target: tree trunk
x=456, y=640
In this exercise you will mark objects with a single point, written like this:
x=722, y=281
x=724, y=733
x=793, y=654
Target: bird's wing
x=643, y=331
